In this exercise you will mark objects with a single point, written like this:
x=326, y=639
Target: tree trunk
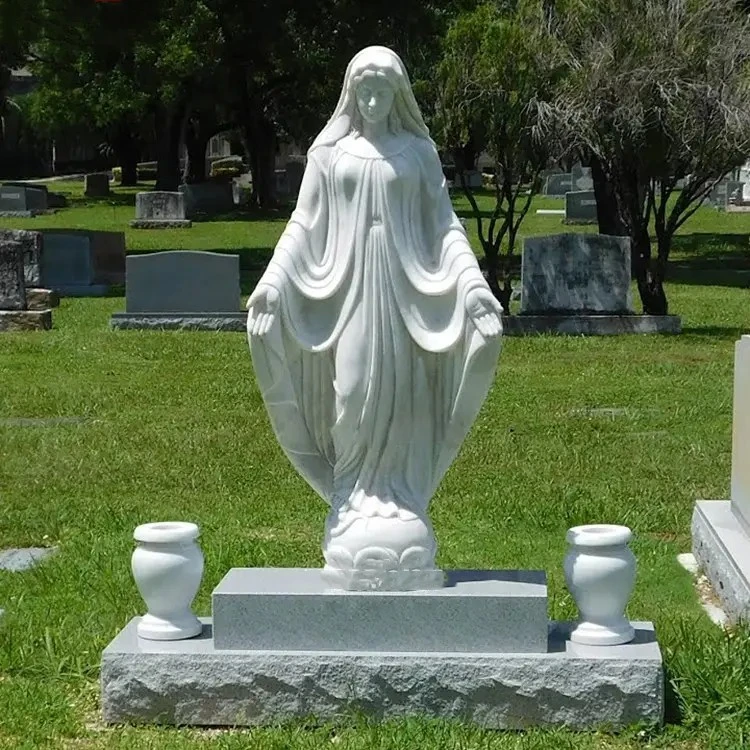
x=260, y=136
x=195, y=169
x=607, y=210
x=169, y=132
x=126, y=149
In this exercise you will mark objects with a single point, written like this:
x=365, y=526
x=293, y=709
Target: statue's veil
x=379, y=60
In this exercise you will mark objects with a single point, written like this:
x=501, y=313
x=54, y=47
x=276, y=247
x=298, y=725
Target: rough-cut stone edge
x=590, y=325
x=38, y=298
x=161, y=223
x=180, y=321
x=189, y=683
x=722, y=549
x=25, y=320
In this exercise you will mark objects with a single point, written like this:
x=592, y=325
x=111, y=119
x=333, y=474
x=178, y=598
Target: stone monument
x=96, y=185
x=580, y=284
x=374, y=339
x=721, y=529
x=182, y=289
x=15, y=314
x=160, y=210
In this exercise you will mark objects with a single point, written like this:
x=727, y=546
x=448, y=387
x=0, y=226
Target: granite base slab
x=191, y=683
x=180, y=321
x=161, y=223
x=721, y=547
x=590, y=325
x=294, y=609
x=25, y=320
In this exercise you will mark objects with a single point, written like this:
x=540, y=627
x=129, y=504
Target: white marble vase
x=167, y=566
x=373, y=333
x=600, y=575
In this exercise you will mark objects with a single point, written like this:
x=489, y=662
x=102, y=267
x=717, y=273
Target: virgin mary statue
x=373, y=333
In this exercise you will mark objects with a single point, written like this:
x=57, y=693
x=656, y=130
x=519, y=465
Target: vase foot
x=593, y=634
x=154, y=628
x=350, y=579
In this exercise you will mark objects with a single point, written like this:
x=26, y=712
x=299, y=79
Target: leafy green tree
x=499, y=64
x=656, y=91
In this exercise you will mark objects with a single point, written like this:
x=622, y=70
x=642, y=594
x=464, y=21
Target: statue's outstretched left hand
x=485, y=311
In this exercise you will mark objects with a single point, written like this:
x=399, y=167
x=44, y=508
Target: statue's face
x=374, y=98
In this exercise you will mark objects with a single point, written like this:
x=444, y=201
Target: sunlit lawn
x=171, y=426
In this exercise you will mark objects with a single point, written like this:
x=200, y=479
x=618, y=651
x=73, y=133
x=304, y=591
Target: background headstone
x=741, y=432
x=576, y=274
x=96, y=185
x=66, y=261
x=159, y=205
x=12, y=198
x=12, y=285
x=182, y=281
x=212, y=197
x=580, y=207
x=558, y=184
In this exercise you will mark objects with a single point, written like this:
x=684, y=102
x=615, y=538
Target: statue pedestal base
x=294, y=609
x=193, y=683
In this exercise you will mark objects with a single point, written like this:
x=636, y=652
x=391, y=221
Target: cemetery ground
x=101, y=430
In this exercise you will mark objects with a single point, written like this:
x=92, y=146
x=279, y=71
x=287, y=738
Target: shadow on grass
x=708, y=259
x=714, y=332
x=244, y=213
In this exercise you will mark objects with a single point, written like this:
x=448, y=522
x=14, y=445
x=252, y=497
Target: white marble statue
x=374, y=335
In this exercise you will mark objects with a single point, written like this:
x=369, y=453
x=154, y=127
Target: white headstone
x=741, y=433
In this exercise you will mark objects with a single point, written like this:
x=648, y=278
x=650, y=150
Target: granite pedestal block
x=192, y=683
x=590, y=325
x=292, y=609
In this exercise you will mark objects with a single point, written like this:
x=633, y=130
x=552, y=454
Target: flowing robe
x=373, y=371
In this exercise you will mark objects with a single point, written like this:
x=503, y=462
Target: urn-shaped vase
x=600, y=575
x=167, y=566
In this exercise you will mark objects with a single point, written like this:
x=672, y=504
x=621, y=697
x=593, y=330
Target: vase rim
x=166, y=532
x=599, y=535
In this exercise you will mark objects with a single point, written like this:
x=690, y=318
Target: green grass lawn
x=171, y=426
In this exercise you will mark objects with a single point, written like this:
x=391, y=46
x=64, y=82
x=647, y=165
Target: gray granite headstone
x=576, y=274
x=12, y=285
x=208, y=197
x=580, y=206
x=66, y=261
x=558, y=184
x=159, y=205
x=12, y=198
x=96, y=185
x=32, y=253
x=182, y=281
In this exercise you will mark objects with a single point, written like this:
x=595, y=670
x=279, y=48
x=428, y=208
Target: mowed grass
x=170, y=425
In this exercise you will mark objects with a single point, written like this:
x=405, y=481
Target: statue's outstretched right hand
x=262, y=306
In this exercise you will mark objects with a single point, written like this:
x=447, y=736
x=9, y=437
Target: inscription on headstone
x=741, y=432
x=160, y=206
x=182, y=281
x=12, y=286
x=576, y=274
x=31, y=243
